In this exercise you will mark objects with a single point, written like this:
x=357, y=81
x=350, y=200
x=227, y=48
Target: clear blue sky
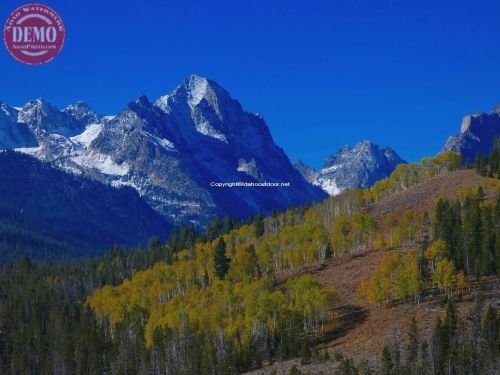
x=323, y=73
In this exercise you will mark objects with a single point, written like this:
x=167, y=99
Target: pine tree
x=254, y=261
x=487, y=256
x=472, y=234
x=412, y=347
x=424, y=361
x=490, y=339
x=221, y=261
x=476, y=334
x=496, y=226
x=328, y=251
x=259, y=225
x=386, y=361
x=305, y=353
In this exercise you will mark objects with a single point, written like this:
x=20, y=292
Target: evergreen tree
x=328, y=250
x=254, y=261
x=305, y=352
x=472, y=234
x=490, y=342
x=412, y=347
x=496, y=229
x=424, y=364
x=221, y=261
x=259, y=225
x=476, y=360
x=386, y=361
x=488, y=240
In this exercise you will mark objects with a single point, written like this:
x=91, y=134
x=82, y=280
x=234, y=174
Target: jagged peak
x=193, y=90
x=82, y=112
x=143, y=101
x=364, y=146
x=40, y=104
x=78, y=104
x=496, y=109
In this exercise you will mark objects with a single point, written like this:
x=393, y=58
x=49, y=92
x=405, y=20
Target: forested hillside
x=50, y=215
x=336, y=284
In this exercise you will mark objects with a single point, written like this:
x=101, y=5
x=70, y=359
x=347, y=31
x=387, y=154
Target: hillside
x=424, y=196
x=363, y=329
x=346, y=275
x=322, y=261
x=47, y=214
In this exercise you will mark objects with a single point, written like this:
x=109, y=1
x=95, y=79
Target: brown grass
x=423, y=197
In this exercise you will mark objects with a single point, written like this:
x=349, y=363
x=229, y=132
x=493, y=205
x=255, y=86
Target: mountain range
x=173, y=151
x=176, y=150
x=352, y=167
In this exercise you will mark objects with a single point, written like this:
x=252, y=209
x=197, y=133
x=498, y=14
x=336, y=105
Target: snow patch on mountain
x=103, y=163
x=249, y=168
x=87, y=137
x=328, y=185
x=197, y=89
x=28, y=150
x=163, y=142
x=205, y=128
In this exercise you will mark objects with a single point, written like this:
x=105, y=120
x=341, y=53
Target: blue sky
x=323, y=73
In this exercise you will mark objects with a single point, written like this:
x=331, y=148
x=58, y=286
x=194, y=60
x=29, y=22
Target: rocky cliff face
x=477, y=133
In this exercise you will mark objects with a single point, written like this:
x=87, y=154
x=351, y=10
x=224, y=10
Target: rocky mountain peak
x=44, y=118
x=82, y=112
x=351, y=167
x=477, y=133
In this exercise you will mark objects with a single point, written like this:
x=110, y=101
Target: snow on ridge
x=103, y=163
x=205, y=128
x=163, y=142
x=197, y=88
x=331, y=168
x=89, y=134
x=121, y=183
x=28, y=150
x=329, y=186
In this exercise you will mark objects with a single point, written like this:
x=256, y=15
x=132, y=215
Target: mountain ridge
x=352, y=167
x=170, y=150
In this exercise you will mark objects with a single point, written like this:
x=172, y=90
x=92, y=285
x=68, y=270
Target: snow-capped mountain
x=477, y=133
x=173, y=151
x=359, y=166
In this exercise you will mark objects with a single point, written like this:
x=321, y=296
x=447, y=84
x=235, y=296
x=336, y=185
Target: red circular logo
x=34, y=34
